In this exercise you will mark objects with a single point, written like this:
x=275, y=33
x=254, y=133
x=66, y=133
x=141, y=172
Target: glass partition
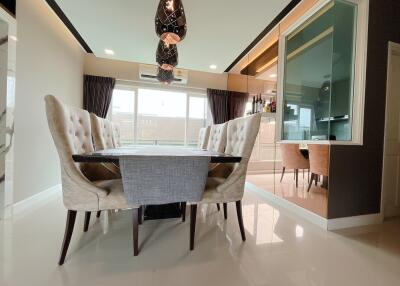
x=318, y=76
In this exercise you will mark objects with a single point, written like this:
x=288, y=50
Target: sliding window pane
x=123, y=109
x=197, y=118
x=161, y=117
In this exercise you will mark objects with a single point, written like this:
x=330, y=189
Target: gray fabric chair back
x=161, y=180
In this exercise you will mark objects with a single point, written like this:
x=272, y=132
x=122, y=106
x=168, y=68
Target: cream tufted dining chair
x=217, y=143
x=102, y=131
x=71, y=132
x=217, y=139
x=103, y=138
x=204, y=135
x=228, y=186
x=116, y=135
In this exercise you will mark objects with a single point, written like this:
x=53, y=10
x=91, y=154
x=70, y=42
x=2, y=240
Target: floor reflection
x=281, y=249
x=315, y=201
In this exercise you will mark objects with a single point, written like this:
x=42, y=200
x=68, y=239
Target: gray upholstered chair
x=217, y=139
x=204, y=135
x=228, y=186
x=71, y=131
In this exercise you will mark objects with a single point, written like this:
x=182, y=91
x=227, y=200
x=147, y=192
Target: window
x=123, y=107
x=161, y=117
x=150, y=116
x=197, y=118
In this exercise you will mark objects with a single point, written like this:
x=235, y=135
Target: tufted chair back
x=292, y=157
x=217, y=139
x=71, y=132
x=116, y=135
x=204, y=135
x=102, y=132
x=241, y=136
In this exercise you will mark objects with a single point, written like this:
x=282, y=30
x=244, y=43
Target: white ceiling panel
x=218, y=30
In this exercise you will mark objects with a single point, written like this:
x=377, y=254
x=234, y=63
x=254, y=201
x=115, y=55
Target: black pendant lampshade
x=167, y=56
x=165, y=76
x=170, y=21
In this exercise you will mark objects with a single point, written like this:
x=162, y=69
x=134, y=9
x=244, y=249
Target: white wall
x=122, y=70
x=49, y=61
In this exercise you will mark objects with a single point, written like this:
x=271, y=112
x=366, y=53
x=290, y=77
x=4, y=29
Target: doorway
x=391, y=159
x=8, y=42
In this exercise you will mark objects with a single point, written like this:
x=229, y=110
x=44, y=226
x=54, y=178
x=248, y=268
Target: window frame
x=359, y=81
x=136, y=86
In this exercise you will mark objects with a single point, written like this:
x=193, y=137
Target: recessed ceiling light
x=213, y=67
x=274, y=75
x=14, y=38
x=109, y=52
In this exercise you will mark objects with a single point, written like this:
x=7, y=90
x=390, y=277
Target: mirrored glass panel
x=318, y=78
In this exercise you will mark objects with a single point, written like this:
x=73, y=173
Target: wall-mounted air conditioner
x=149, y=73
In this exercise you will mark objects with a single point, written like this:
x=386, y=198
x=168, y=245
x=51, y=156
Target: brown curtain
x=97, y=94
x=226, y=105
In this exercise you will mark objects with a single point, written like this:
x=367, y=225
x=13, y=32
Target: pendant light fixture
x=167, y=56
x=165, y=76
x=170, y=21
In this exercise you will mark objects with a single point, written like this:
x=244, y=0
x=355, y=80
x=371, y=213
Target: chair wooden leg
x=310, y=183
x=218, y=207
x=135, y=231
x=240, y=219
x=283, y=173
x=140, y=210
x=296, y=172
x=225, y=205
x=183, y=210
x=87, y=221
x=193, y=214
x=69, y=228
x=98, y=214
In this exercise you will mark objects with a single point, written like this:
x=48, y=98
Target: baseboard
x=354, y=221
x=291, y=207
x=36, y=200
x=327, y=224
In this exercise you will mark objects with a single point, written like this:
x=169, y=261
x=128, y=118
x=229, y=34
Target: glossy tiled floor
x=281, y=250
x=315, y=201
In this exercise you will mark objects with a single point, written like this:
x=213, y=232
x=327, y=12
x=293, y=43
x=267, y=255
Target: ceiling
x=218, y=30
x=269, y=74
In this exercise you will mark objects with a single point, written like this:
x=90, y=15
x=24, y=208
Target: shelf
x=268, y=114
x=332, y=119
